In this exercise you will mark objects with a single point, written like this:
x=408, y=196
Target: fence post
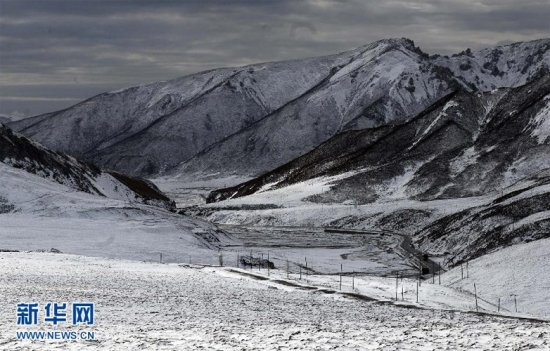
x=396, y=285
x=417, y=287
x=287, y=268
x=160, y=258
x=341, y=270
x=467, y=270
x=268, y=268
x=475, y=294
x=462, y=271
x=433, y=272
x=300, y=267
x=419, y=270
x=498, y=305
x=353, y=281
x=238, y=260
x=439, y=272
x=402, y=292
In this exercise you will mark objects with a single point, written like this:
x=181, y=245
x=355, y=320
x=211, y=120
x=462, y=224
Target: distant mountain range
x=252, y=119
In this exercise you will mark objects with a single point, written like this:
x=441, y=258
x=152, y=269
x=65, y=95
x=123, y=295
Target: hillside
x=21, y=153
x=50, y=200
x=465, y=144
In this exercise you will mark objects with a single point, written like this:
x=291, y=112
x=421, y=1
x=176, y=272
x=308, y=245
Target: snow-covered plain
x=168, y=307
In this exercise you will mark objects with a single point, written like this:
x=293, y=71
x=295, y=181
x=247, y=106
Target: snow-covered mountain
x=50, y=200
x=252, y=119
x=465, y=144
x=21, y=153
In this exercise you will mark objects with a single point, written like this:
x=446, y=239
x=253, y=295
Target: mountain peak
x=397, y=43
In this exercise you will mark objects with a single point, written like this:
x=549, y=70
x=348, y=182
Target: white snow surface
x=169, y=307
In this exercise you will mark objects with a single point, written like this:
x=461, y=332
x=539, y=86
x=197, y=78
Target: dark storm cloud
x=55, y=52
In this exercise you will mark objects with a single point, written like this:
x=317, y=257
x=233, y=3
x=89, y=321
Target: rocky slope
x=252, y=119
x=19, y=152
x=465, y=144
x=520, y=214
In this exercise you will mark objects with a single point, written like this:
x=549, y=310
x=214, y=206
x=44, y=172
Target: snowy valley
x=377, y=198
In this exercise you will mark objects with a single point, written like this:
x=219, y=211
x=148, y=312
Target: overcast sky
x=54, y=53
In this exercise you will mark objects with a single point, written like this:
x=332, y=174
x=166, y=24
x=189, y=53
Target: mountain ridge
x=249, y=120
x=444, y=166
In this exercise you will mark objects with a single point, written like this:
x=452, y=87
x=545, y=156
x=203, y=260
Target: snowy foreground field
x=167, y=307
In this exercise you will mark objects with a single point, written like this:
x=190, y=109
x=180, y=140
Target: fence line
x=294, y=272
